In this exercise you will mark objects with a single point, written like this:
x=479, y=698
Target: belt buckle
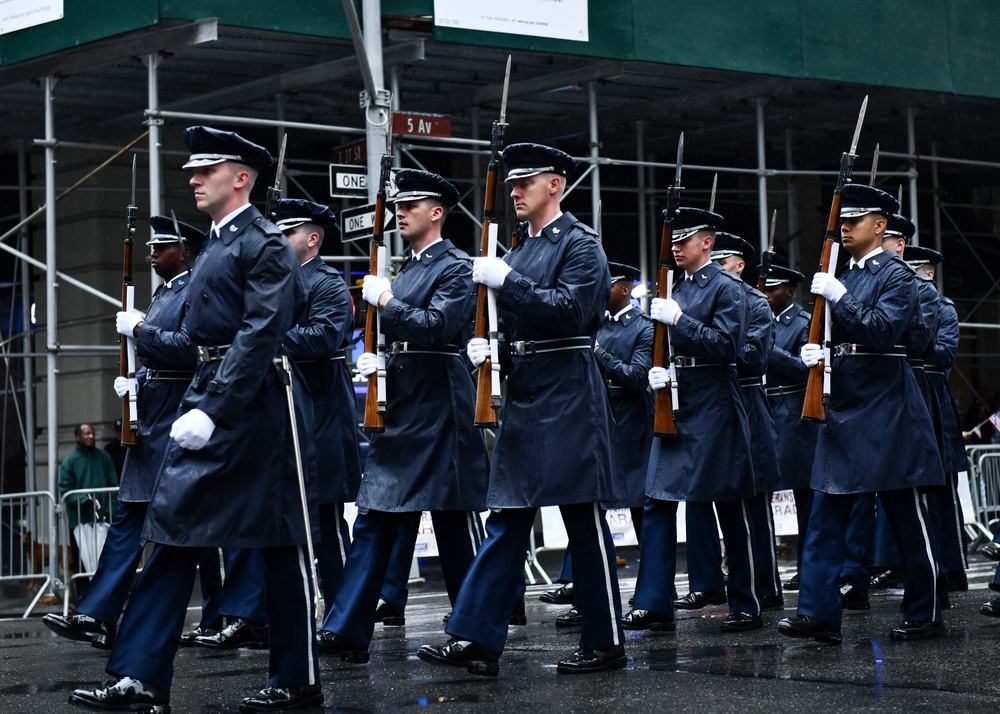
x=209, y=353
x=398, y=347
x=519, y=348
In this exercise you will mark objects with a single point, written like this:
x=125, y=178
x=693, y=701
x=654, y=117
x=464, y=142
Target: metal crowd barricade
x=29, y=543
x=984, y=491
x=90, y=538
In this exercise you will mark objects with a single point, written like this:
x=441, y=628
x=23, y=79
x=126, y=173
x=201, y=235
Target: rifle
x=374, y=339
x=126, y=355
x=488, y=383
x=274, y=192
x=818, y=385
x=768, y=256
x=667, y=400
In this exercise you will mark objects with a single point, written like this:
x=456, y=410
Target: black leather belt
x=524, y=348
x=338, y=356
x=752, y=381
x=401, y=348
x=916, y=363
x=851, y=349
x=211, y=353
x=934, y=370
x=690, y=362
x=782, y=390
x=168, y=375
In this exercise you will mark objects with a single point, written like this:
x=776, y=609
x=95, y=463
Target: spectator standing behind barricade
x=116, y=449
x=85, y=468
x=168, y=361
x=229, y=477
x=553, y=445
x=430, y=456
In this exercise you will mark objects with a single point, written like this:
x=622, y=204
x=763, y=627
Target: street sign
x=357, y=223
x=353, y=153
x=416, y=124
x=348, y=181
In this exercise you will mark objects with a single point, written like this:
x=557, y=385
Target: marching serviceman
x=228, y=478
x=624, y=352
x=430, y=456
x=786, y=392
x=710, y=458
x=732, y=252
x=168, y=360
x=552, y=446
x=877, y=435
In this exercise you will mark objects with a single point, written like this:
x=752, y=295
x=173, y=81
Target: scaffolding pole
x=595, y=156
x=761, y=178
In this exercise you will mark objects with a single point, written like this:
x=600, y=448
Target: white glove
x=372, y=288
x=664, y=311
x=122, y=385
x=367, y=364
x=828, y=286
x=479, y=350
x=192, y=430
x=659, y=377
x=811, y=355
x=125, y=323
x=490, y=272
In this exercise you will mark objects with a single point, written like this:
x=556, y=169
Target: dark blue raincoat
x=751, y=365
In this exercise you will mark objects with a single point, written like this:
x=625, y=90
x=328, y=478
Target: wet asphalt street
x=696, y=669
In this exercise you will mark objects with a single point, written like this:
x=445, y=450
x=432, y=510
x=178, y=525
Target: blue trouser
x=397, y=575
x=859, y=557
x=826, y=549
x=243, y=588
x=704, y=552
x=566, y=571
x=482, y=611
x=658, y=556
x=150, y=632
x=765, y=554
x=352, y=613
x=331, y=551
x=803, y=505
x=946, y=510
x=108, y=590
x=211, y=565
x=886, y=554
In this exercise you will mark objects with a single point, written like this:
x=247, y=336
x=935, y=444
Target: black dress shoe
x=918, y=631
x=82, y=628
x=584, y=661
x=792, y=584
x=517, y=614
x=806, y=626
x=390, y=615
x=238, y=633
x=772, y=602
x=852, y=598
x=559, y=596
x=957, y=582
x=347, y=650
x=696, y=601
x=990, y=608
x=886, y=580
x=741, y=622
x=127, y=694
x=991, y=551
x=188, y=638
x=277, y=699
x=648, y=620
x=462, y=653
x=572, y=618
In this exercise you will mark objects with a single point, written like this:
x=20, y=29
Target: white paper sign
x=556, y=19
x=19, y=14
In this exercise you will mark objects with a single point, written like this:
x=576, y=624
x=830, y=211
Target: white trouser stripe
x=753, y=569
x=607, y=574
x=772, y=565
x=342, y=546
x=927, y=548
x=307, y=594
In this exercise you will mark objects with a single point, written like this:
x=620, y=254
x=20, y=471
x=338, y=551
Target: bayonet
x=680, y=161
x=506, y=87
x=857, y=128
x=274, y=192
x=597, y=222
x=899, y=197
x=871, y=176
x=711, y=201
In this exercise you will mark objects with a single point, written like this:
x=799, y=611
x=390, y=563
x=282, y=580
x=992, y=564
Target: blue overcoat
x=167, y=355
x=430, y=457
x=317, y=345
x=710, y=458
x=624, y=355
x=241, y=490
x=751, y=365
x=878, y=434
x=938, y=360
x=553, y=445
x=786, y=393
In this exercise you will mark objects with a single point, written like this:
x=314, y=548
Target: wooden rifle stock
x=126, y=352
x=487, y=403
x=374, y=412
x=663, y=418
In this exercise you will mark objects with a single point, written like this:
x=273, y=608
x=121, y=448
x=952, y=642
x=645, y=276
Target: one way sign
x=357, y=223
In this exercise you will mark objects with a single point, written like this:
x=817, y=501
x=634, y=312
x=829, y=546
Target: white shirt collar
x=558, y=216
x=691, y=276
x=179, y=275
x=861, y=263
x=617, y=316
x=416, y=256
x=217, y=227
x=778, y=316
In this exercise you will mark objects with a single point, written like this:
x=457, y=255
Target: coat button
x=204, y=298
x=531, y=399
